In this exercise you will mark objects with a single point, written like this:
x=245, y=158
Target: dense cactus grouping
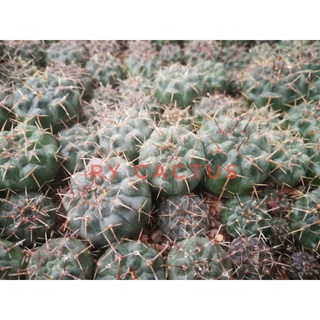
x=159, y=160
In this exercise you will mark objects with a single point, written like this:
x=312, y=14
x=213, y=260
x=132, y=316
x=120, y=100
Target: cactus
x=246, y=216
x=81, y=77
x=213, y=76
x=174, y=116
x=170, y=53
x=177, y=84
x=303, y=266
x=278, y=84
x=198, y=259
x=28, y=158
x=107, y=201
x=304, y=220
x=182, y=217
x=130, y=260
x=105, y=69
x=215, y=105
x=33, y=51
x=142, y=59
x=125, y=136
x=68, y=52
x=172, y=160
x=303, y=119
x=201, y=50
x=61, y=259
x=237, y=152
x=252, y=259
x=49, y=101
x=27, y=217
x=289, y=161
x=78, y=145
x=137, y=84
x=12, y=261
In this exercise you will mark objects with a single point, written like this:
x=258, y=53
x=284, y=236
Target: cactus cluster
x=159, y=159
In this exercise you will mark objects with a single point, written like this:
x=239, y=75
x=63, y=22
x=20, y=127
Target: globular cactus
x=303, y=119
x=252, y=259
x=136, y=84
x=278, y=84
x=215, y=105
x=81, y=77
x=68, y=52
x=29, y=158
x=78, y=145
x=125, y=136
x=12, y=261
x=172, y=160
x=130, y=260
x=246, y=216
x=49, y=101
x=213, y=76
x=27, y=50
x=170, y=53
x=289, y=160
x=304, y=220
x=28, y=218
x=303, y=266
x=107, y=202
x=105, y=69
x=142, y=59
x=198, y=259
x=174, y=116
x=181, y=217
x=178, y=85
x=61, y=259
x=201, y=50
x=237, y=152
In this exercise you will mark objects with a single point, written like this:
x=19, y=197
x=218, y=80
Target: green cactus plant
x=29, y=50
x=278, y=84
x=172, y=160
x=303, y=119
x=105, y=69
x=237, y=152
x=246, y=216
x=213, y=76
x=125, y=136
x=252, y=259
x=61, y=259
x=289, y=160
x=66, y=52
x=142, y=59
x=198, y=259
x=217, y=104
x=78, y=145
x=130, y=260
x=28, y=158
x=181, y=217
x=81, y=77
x=304, y=220
x=107, y=201
x=170, y=53
x=174, y=116
x=178, y=84
x=49, y=101
x=12, y=261
x=27, y=217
